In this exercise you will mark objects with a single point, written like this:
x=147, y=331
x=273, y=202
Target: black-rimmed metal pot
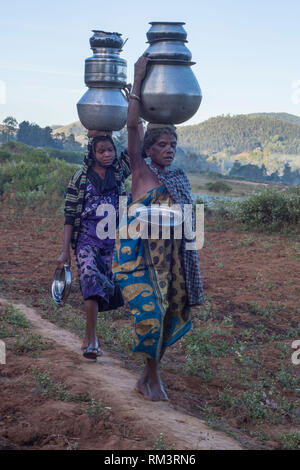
x=170, y=92
x=104, y=106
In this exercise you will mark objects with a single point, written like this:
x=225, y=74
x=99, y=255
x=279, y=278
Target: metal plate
x=160, y=216
x=61, y=284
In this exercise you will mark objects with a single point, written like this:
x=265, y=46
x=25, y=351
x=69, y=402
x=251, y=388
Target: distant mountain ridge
x=232, y=135
x=242, y=133
x=75, y=128
x=284, y=116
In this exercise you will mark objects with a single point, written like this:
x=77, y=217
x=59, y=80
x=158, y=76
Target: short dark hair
x=90, y=156
x=152, y=135
x=102, y=138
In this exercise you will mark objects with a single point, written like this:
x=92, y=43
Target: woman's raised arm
x=133, y=118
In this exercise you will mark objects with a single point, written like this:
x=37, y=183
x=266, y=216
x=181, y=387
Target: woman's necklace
x=156, y=171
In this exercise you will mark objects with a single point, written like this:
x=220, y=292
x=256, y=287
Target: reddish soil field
x=251, y=284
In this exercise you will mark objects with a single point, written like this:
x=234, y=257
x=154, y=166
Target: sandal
x=91, y=353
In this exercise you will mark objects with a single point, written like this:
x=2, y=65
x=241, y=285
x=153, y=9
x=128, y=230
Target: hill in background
x=284, y=116
x=241, y=133
x=75, y=128
x=230, y=134
x=268, y=141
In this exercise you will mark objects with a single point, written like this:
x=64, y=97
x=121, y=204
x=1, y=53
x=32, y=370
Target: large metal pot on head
x=104, y=106
x=170, y=92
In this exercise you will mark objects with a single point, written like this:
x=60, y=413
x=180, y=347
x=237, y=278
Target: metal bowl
x=61, y=284
x=161, y=216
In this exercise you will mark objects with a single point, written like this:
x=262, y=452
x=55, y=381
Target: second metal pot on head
x=170, y=92
x=104, y=106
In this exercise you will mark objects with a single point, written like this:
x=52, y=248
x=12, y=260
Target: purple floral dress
x=93, y=255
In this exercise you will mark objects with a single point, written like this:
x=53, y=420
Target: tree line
x=253, y=172
x=36, y=136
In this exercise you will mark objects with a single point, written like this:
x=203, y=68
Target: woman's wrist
x=132, y=96
x=137, y=79
x=136, y=89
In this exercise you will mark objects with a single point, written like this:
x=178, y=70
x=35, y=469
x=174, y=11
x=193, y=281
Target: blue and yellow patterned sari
x=151, y=277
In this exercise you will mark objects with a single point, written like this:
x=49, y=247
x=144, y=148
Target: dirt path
x=116, y=385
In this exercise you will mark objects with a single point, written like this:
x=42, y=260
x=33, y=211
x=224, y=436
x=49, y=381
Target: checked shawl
x=178, y=186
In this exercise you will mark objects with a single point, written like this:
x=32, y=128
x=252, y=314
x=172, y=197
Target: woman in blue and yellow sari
x=158, y=277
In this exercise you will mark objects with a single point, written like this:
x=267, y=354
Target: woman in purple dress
x=99, y=181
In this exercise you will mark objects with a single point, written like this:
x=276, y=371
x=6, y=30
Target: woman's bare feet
x=156, y=389
x=143, y=388
x=149, y=383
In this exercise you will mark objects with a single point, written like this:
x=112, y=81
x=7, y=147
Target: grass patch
x=198, y=366
x=286, y=378
x=261, y=405
x=256, y=309
x=31, y=344
x=125, y=338
x=95, y=409
x=207, y=310
x=12, y=316
x=206, y=341
x=219, y=187
x=290, y=441
x=201, y=344
x=247, y=241
x=160, y=443
x=56, y=390
x=226, y=398
x=12, y=322
x=107, y=332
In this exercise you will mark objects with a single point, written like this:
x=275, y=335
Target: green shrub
x=15, y=147
x=4, y=155
x=67, y=155
x=199, y=200
x=290, y=441
x=218, y=187
x=33, y=176
x=224, y=209
x=22, y=176
x=19, y=151
x=257, y=405
x=269, y=209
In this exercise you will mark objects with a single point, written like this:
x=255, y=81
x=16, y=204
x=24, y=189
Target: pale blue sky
x=247, y=52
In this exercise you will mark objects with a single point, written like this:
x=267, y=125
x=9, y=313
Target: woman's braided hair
x=153, y=134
